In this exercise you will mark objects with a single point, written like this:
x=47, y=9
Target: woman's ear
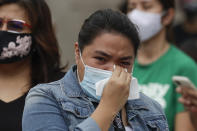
x=168, y=17
x=77, y=53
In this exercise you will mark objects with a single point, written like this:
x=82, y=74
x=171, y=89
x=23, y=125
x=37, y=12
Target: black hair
x=190, y=47
x=166, y=4
x=110, y=21
x=45, y=60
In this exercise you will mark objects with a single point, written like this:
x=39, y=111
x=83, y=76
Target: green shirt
x=155, y=80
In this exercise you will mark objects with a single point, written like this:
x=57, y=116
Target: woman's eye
x=125, y=63
x=100, y=59
x=147, y=6
x=129, y=10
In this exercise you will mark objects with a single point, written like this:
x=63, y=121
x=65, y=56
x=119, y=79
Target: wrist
x=109, y=111
x=104, y=116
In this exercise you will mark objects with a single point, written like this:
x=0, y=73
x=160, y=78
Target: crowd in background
x=157, y=49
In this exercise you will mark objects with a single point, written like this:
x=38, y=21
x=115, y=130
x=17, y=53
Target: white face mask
x=149, y=24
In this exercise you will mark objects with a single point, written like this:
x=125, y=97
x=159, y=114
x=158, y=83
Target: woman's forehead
x=114, y=43
x=142, y=0
x=13, y=11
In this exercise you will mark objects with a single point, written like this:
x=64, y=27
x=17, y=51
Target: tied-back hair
x=45, y=57
x=107, y=21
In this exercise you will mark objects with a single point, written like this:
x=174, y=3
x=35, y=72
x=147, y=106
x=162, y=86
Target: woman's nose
x=110, y=67
x=139, y=7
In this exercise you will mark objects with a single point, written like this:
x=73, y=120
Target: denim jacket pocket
x=77, y=110
x=157, y=123
x=74, y=113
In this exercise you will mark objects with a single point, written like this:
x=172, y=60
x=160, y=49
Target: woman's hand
x=189, y=100
x=113, y=99
x=116, y=92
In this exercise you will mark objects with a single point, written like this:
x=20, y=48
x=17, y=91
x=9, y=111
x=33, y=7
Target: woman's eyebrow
x=126, y=58
x=103, y=53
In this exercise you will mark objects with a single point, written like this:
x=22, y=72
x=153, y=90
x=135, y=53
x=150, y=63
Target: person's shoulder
x=45, y=89
x=181, y=58
x=47, y=86
x=149, y=110
x=151, y=104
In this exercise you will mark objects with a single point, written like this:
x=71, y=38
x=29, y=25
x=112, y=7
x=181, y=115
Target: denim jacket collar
x=70, y=84
x=134, y=106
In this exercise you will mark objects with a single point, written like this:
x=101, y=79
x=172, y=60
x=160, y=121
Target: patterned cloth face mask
x=14, y=46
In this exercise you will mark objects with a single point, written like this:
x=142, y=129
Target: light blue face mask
x=94, y=77
x=91, y=77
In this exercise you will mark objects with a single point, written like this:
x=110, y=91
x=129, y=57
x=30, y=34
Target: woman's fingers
x=184, y=101
x=129, y=77
x=179, y=90
x=194, y=109
x=117, y=71
x=193, y=101
x=123, y=75
x=192, y=93
x=117, y=89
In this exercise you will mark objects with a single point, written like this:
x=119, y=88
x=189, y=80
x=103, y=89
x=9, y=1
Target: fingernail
x=178, y=89
x=114, y=67
x=125, y=70
x=132, y=69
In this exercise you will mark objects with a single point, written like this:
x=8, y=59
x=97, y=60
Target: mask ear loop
x=80, y=55
x=78, y=75
x=132, y=70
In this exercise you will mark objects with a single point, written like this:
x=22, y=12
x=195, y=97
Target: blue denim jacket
x=63, y=106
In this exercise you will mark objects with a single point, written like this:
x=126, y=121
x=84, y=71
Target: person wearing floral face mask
x=29, y=55
x=158, y=60
x=106, y=38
